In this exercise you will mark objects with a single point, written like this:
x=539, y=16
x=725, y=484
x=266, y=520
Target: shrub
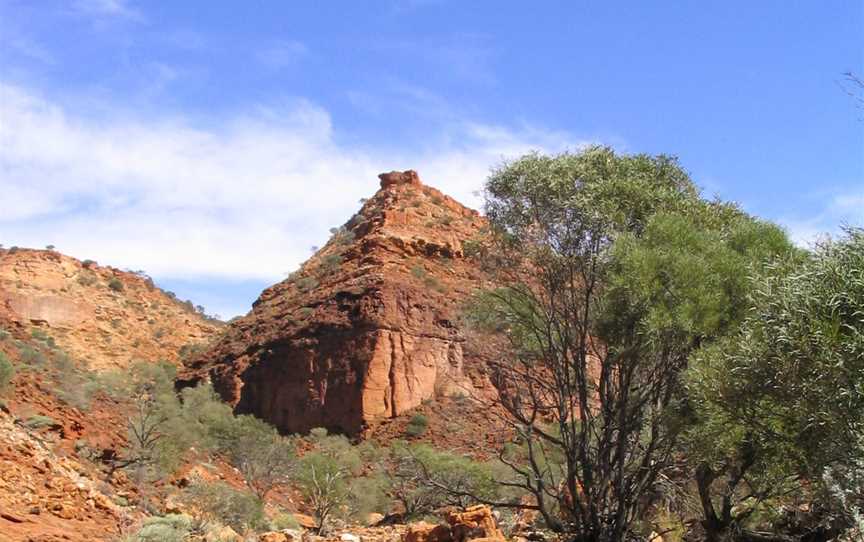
x=284, y=520
x=424, y=479
x=87, y=279
x=42, y=336
x=471, y=247
x=39, y=421
x=331, y=263
x=324, y=475
x=158, y=435
x=115, y=284
x=342, y=236
x=31, y=356
x=220, y=502
x=263, y=457
x=305, y=284
x=417, y=426
x=7, y=371
x=88, y=263
x=170, y=528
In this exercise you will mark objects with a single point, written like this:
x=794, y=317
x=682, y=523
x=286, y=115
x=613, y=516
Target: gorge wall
x=104, y=318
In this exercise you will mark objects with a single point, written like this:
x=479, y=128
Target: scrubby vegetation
x=417, y=426
x=116, y=284
x=692, y=356
x=7, y=371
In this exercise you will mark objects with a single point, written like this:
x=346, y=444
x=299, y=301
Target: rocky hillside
x=100, y=316
x=368, y=328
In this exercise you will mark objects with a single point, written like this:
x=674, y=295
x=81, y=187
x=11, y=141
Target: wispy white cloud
x=240, y=198
x=845, y=208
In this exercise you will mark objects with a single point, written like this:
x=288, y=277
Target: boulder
x=273, y=536
x=292, y=535
x=307, y=522
x=374, y=519
x=475, y=522
x=426, y=532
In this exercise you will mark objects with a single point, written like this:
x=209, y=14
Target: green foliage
x=116, y=284
x=472, y=247
x=417, y=426
x=219, y=502
x=39, y=422
x=424, y=479
x=263, y=457
x=418, y=272
x=616, y=272
x=305, y=284
x=164, y=426
x=330, y=263
x=328, y=477
x=43, y=337
x=31, y=357
x=283, y=520
x=684, y=280
x=87, y=278
x=342, y=236
x=170, y=528
x=793, y=374
x=71, y=383
x=7, y=371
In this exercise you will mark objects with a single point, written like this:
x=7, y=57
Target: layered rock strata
x=368, y=328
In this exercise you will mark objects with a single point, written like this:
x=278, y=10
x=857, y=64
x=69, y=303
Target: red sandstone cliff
x=367, y=328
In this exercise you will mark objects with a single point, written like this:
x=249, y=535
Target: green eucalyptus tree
x=614, y=271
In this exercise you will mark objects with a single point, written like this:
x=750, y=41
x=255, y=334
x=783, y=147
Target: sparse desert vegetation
x=621, y=299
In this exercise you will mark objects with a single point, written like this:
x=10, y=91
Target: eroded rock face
x=368, y=328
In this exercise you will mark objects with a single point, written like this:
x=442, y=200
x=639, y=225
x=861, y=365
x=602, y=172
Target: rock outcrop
x=368, y=328
x=474, y=523
x=102, y=317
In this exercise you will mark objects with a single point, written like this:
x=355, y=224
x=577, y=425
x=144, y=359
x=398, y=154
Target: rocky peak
x=399, y=177
x=367, y=328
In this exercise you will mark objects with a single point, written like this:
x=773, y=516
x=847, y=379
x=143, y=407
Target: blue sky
x=212, y=143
